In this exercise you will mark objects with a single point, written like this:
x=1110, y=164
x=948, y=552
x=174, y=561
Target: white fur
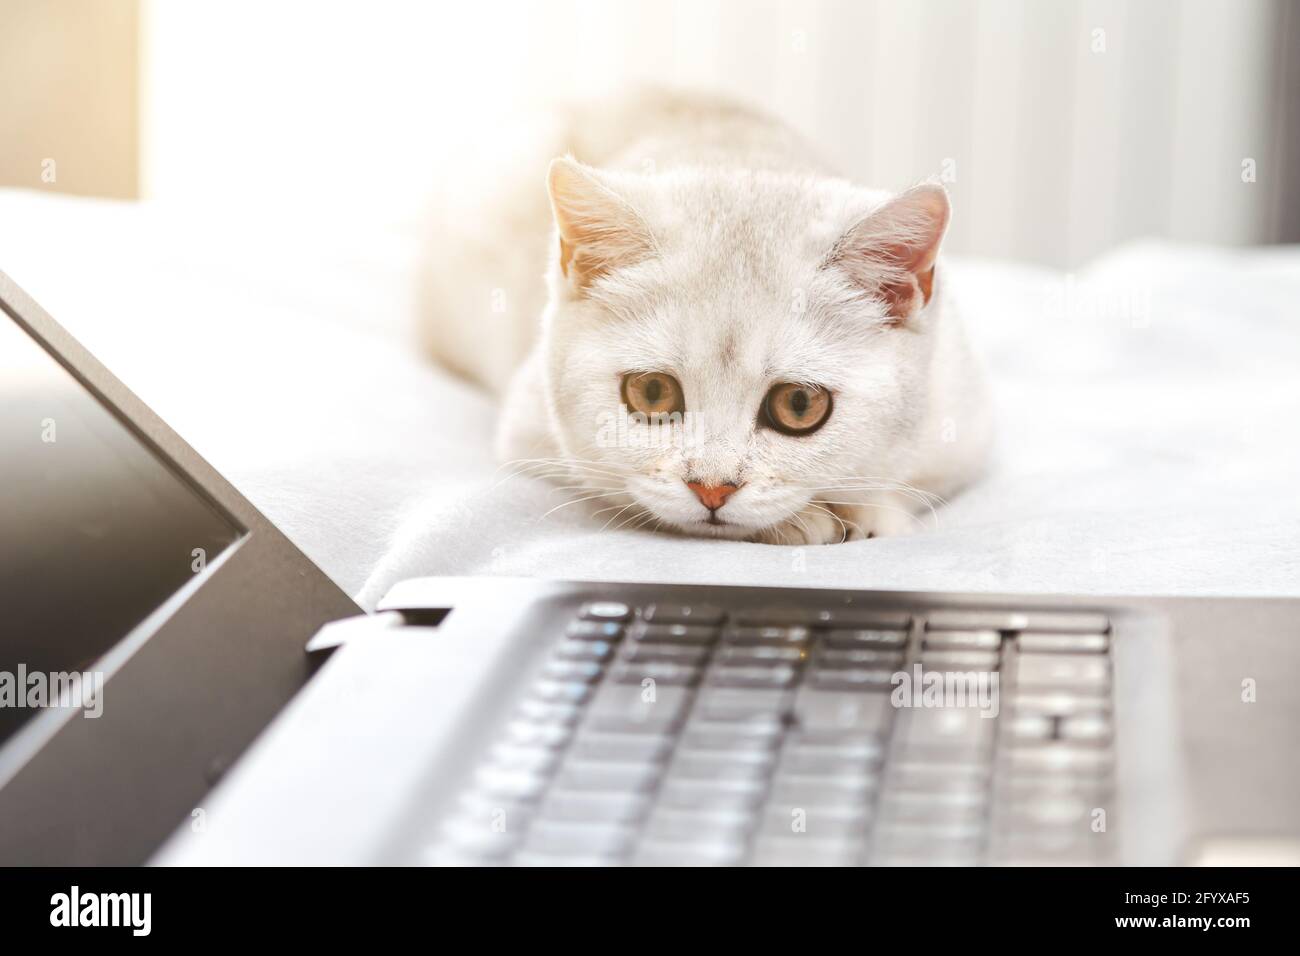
x=734, y=291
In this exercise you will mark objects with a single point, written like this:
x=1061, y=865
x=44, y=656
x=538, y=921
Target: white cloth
x=1149, y=411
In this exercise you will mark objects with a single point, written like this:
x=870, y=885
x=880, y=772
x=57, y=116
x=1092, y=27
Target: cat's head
x=722, y=347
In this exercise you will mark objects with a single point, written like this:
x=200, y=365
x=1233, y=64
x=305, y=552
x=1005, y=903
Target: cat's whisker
x=589, y=487
x=551, y=468
x=650, y=518
x=860, y=503
x=639, y=517
x=803, y=526
x=844, y=523
x=877, y=504
x=873, y=483
x=614, y=517
x=914, y=494
x=577, y=501
x=578, y=465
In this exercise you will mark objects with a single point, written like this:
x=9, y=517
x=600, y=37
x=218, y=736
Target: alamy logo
x=931, y=688
x=103, y=909
x=67, y=689
x=623, y=428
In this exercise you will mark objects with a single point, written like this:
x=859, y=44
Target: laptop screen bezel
x=186, y=690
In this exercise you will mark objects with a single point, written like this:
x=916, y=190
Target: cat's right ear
x=891, y=254
x=599, y=230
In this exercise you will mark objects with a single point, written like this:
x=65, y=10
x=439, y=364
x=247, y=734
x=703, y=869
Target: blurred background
x=1062, y=128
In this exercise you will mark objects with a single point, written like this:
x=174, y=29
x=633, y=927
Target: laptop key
x=533, y=734
x=676, y=634
x=570, y=670
x=780, y=617
x=762, y=654
x=931, y=728
x=1061, y=702
x=865, y=619
x=831, y=658
x=621, y=748
x=821, y=763
x=1039, y=642
x=799, y=825
x=719, y=767
x=853, y=678
x=555, y=838
x=633, y=707
x=740, y=676
x=963, y=640
x=661, y=672
x=845, y=746
x=727, y=735
x=737, y=704
x=1030, y=726
x=929, y=776
x=670, y=653
x=1060, y=757
x=768, y=635
x=705, y=796
x=848, y=638
x=478, y=838
x=1000, y=620
x=594, y=806
x=673, y=825
x=554, y=691
x=709, y=852
x=571, y=649
x=659, y=613
x=942, y=660
x=607, y=777
x=1062, y=669
x=605, y=611
x=913, y=805
x=522, y=785
x=506, y=756
x=594, y=631
x=1085, y=728
x=784, y=852
x=838, y=793
x=561, y=713
x=867, y=714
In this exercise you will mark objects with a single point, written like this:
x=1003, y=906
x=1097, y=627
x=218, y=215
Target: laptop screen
x=96, y=531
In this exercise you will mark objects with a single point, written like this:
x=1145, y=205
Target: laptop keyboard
x=673, y=734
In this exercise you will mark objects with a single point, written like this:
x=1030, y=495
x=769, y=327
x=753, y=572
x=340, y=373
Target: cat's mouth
x=714, y=527
x=675, y=508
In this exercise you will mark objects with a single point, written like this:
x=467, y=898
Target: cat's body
x=783, y=339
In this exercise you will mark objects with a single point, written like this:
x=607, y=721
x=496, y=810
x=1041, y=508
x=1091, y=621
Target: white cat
x=734, y=342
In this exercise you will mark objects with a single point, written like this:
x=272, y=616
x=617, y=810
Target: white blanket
x=1149, y=412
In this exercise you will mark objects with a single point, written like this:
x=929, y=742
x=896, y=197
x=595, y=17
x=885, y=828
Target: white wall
x=1055, y=149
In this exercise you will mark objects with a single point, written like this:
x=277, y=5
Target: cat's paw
x=887, y=518
x=820, y=523
x=815, y=524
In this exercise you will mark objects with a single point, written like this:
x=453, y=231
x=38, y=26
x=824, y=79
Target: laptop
x=186, y=687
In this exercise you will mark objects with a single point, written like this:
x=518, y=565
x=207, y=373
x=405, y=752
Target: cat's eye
x=653, y=393
x=796, y=409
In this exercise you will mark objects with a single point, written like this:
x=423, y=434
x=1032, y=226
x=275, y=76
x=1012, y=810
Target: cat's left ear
x=891, y=253
x=599, y=230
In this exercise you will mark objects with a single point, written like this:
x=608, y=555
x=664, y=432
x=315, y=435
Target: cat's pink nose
x=712, y=497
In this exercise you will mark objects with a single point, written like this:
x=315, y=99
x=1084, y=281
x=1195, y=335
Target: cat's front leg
x=815, y=524
x=885, y=515
x=819, y=522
